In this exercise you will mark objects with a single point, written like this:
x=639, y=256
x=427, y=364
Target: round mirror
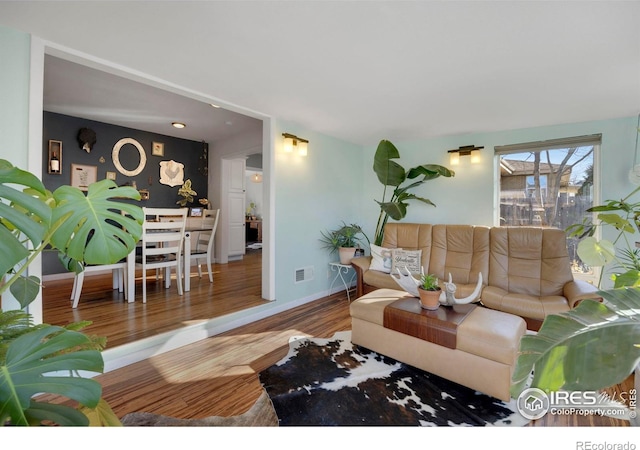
x=116, y=157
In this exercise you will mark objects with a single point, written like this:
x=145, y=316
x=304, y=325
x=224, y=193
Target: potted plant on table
x=429, y=291
x=46, y=359
x=344, y=240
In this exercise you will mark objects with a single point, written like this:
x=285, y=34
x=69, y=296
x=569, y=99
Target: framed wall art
x=111, y=176
x=82, y=176
x=157, y=149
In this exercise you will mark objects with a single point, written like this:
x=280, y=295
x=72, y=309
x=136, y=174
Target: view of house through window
x=549, y=184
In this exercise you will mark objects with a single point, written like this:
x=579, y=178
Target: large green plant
x=350, y=235
x=95, y=228
x=594, y=346
x=393, y=175
x=624, y=217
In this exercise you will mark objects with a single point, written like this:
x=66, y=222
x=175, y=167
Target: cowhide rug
x=332, y=382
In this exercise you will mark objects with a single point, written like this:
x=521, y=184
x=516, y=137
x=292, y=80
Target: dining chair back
x=203, y=248
x=162, y=243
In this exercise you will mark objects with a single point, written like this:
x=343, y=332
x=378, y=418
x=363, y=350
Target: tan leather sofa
x=526, y=270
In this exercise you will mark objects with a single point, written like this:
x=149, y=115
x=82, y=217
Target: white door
x=236, y=213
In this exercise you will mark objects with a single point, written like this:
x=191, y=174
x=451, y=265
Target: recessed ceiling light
x=178, y=124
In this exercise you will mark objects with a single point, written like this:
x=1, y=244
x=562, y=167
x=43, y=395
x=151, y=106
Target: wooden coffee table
x=440, y=326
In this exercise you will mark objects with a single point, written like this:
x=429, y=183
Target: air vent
x=303, y=274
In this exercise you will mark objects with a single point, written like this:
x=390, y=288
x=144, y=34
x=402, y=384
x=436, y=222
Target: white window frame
x=595, y=140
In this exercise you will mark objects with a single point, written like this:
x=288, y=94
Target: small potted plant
x=429, y=292
x=345, y=240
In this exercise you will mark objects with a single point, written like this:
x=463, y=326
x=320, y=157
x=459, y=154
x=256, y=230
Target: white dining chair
x=162, y=243
x=203, y=246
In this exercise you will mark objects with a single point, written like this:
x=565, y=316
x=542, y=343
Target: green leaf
x=596, y=253
x=395, y=210
x=42, y=351
x=618, y=222
x=22, y=213
x=631, y=278
x=592, y=347
x=101, y=416
x=93, y=230
x=25, y=289
x=430, y=171
x=389, y=172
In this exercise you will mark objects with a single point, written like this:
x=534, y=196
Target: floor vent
x=303, y=274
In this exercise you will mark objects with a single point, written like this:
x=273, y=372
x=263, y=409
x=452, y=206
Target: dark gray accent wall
x=65, y=128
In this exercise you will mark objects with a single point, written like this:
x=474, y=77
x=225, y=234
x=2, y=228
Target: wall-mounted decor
x=144, y=194
x=157, y=149
x=115, y=155
x=55, y=157
x=171, y=173
x=195, y=212
x=82, y=176
x=87, y=139
x=102, y=160
x=111, y=176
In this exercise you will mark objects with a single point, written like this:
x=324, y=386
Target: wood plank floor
x=219, y=375
x=236, y=287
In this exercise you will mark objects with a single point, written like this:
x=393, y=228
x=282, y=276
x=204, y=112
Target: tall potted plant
x=393, y=175
x=46, y=359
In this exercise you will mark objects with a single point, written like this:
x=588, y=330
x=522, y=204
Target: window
x=549, y=184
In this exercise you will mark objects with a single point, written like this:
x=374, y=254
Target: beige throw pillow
x=411, y=259
x=380, y=258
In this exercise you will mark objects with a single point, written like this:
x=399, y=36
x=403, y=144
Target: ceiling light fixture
x=467, y=150
x=178, y=124
x=292, y=142
x=256, y=177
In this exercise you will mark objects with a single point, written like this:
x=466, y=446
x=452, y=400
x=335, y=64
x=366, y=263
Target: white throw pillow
x=411, y=259
x=380, y=258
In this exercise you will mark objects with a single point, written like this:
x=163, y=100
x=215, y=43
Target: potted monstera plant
x=96, y=228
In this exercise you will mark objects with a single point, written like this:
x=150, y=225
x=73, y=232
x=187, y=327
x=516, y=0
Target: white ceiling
x=356, y=70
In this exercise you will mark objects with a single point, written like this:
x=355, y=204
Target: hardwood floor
x=236, y=287
x=218, y=375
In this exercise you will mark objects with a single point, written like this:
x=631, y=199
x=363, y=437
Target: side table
x=341, y=270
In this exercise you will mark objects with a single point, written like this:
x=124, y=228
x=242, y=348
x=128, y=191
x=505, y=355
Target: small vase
x=429, y=299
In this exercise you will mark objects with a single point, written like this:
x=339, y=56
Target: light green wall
x=14, y=96
x=469, y=197
x=312, y=194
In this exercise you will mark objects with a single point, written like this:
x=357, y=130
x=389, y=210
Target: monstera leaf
x=390, y=173
x=20, y=212
x=96, y=229
x=30, y=367
x=591, y=347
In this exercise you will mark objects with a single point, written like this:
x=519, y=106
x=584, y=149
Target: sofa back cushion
x=462, y=250
x=409, y=236
x=529, y=260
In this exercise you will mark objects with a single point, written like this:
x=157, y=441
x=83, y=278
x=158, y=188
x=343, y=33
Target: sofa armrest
x=360, y=265
x=577, y=290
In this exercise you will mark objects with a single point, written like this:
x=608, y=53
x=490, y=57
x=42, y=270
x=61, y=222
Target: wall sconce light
x=467, y=150
x=256, y=178
x=294, y=143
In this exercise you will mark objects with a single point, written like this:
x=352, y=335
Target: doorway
x=106, y=70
